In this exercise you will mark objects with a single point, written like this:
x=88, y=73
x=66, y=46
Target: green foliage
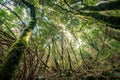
x=90, y=2
x=70, y=41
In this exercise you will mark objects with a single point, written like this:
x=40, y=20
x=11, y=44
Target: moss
x=110, y=20
x=16, y=52
x=26, y=36
x=110, y=5
x=8, y=68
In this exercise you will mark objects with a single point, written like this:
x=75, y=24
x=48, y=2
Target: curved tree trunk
x=115, y=34
x=7, y=69
x=113, y=21
x=93, y=12
x=109, y=5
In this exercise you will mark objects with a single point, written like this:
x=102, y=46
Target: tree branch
x=112, y=5
x=14, y=14
x=17, y=50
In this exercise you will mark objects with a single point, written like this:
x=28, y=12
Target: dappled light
x=59, y=39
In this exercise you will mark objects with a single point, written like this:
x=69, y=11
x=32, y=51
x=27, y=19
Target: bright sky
x=70, y=37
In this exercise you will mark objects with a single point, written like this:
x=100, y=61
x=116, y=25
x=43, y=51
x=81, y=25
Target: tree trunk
x=7, y=69
x=109, y=5
x=113, y=21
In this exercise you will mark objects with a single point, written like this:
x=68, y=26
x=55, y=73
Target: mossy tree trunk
x=16, y=51
x=112, y=21
x=110, y=5
x=93, y=12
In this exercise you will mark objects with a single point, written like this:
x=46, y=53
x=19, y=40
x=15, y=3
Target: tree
x=92, y=11
x=70, y=35
x=7, y=69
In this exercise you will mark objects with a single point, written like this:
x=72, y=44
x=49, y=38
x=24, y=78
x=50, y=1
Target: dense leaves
x=73, y=39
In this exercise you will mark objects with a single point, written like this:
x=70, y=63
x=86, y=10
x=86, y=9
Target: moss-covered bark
x=113, y=33
x=112, y=5
x=113, y=21
x=7, y=69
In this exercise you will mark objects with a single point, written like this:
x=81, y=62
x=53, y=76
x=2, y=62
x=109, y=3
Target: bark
x=16, y=51
x=113, y=21
x=115, y=34
x=112, y=5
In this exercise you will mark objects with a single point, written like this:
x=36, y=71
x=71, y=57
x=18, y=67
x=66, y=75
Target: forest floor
x=90, y=74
